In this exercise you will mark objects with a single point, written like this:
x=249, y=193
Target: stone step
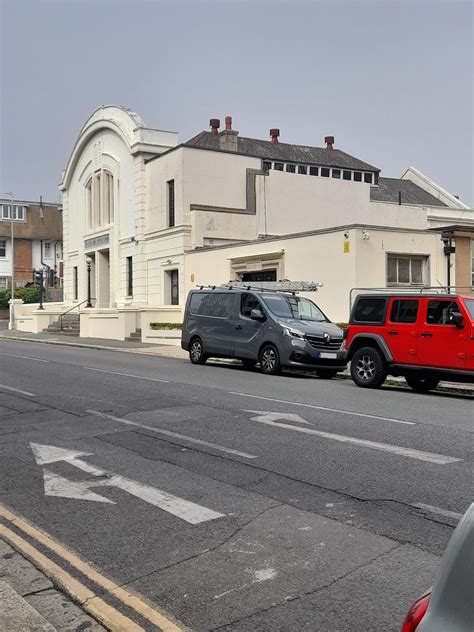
x=17, y=614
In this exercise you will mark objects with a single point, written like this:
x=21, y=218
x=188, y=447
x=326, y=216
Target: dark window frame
x=334, y=172
x=379, y=321
x=346, y=174
x=279, y=166
x=245, y=296
x=129, y=264
x=75, y=283
x=314, y=171
x=324, y=174
x=302, y=170
x=357, y=176
x=400, y=317
x=171, y=204
x=290, y=167
x=454, y=307
x=174, y=284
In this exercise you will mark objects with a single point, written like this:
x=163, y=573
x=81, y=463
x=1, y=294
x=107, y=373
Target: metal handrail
x=78, y=305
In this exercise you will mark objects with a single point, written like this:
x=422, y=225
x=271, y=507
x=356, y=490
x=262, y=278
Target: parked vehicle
x=274, y=328
x=449, y=605
x=422, y=337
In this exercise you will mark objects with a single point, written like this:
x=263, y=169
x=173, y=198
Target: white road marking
x=268, y=416
x=176, y=435
x=17, y=390
x=184, y=509
x=438, y=510
x=137, y=377
x=13, y=355
x=333, y=410
x=438, y=459
x=55, y=485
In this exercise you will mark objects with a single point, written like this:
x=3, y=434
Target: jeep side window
x=404, y=311
x=248, y=302
x=370, y=310
x=439, y=312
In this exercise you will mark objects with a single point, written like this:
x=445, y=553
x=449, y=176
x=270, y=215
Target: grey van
x=276, y=329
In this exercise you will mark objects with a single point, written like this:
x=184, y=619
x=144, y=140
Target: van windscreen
x=293, y=307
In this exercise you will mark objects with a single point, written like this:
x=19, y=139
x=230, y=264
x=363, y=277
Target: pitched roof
x=285, y=152
x=389, y=188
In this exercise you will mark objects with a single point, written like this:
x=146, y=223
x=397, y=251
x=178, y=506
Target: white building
x=156, y=217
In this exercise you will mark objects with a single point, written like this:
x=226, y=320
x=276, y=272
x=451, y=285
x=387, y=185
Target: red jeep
x=423, y=337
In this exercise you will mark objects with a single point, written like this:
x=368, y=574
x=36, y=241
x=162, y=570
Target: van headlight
x=293, y=333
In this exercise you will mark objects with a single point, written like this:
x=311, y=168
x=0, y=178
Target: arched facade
x=104, y=211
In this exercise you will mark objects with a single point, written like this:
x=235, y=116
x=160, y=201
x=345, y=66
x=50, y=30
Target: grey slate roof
x=284, y=151
x=388, y=190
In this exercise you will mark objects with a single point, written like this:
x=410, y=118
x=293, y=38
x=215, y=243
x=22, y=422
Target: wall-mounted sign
x=93, y=242
x=347, y=246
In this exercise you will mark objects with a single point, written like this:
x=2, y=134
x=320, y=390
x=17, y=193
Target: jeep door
x=441, y=343
x=247, y=331
x=401, y=330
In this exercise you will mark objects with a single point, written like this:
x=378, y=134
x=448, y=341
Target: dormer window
x=100, y=200
x=19, y=212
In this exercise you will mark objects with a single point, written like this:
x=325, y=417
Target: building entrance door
x=261, y=275
x=103, y=278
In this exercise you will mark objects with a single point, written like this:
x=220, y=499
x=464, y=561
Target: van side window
x=439, y=312
x=211, y=304
x=248, y=302
x=370, y=310
x=404, y=311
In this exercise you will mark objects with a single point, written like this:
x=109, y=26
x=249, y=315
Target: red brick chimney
x=228, y=122
x=214, y=124
x=329, y=140
x=274, y=133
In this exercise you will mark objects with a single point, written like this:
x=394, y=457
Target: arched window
x=100, y=200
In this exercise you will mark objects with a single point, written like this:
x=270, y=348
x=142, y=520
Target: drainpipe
x=45, y=265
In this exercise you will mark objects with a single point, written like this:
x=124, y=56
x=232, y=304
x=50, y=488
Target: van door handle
x=238, y=326
x=426, y=334
x=393, y=333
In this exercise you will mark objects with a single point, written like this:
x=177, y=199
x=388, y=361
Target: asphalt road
x=230, y=499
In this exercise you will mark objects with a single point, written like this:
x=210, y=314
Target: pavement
x=30, y=602
x=173, y=351
x=215, y=498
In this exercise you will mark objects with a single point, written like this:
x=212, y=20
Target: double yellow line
x=111, y=618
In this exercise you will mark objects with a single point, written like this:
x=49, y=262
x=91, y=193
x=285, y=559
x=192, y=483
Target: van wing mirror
x=456, y=318
x=257, y=314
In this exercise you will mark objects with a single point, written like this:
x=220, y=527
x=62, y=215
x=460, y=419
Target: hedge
x=26, y=294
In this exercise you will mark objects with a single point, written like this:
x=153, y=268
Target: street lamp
x=11, y=323
x=89, y=263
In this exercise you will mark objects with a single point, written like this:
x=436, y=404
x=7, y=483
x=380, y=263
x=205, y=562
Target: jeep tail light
x=416, y=614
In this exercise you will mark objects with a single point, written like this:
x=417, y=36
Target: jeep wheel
x=196, y=352
x=326, y=374
x=368, y=368
x=269, y=360
x=422, y=383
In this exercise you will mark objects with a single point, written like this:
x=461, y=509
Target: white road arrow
x=265, y=416
x=184, y=509
x=55, y=485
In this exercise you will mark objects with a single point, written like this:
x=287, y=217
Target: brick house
x=37, y=233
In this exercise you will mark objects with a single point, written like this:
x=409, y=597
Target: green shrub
x=168, y=326
x=341, y=325
x=26, y=294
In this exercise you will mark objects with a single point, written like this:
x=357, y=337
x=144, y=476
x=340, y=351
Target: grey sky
x=392, y=81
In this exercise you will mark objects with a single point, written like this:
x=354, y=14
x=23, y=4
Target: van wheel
x=248, y=363
x=326, y=374
x=368, y=368
x=422, y=383
x=269, y=360
x=196, y=352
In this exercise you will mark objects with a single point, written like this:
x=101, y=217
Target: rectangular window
x=3, y=248
x=347, y=175
x=302, y=169
x=267, y=165
x=406, y=270
x=174, y=287
x=325, y=172
x=129, y=276
x=212, y=304
x=75, y=283
x=4, y=282
x=47, y=249
x=19, y=212
x=439, y=312
x=336, y=173
x=357, y=176
x=376, y=178
x=278, y=166
x=171, y=216
x=291, y=168
x=368, y=178
x=404, y=311
x=370, y=310
x=314, y=171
